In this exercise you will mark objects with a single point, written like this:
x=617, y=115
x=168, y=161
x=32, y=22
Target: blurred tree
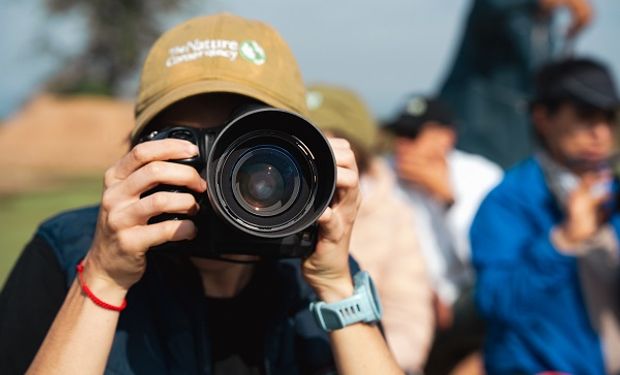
x=120, y=31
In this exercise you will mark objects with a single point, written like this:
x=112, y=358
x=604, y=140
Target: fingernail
x=194, y=211
x=194, y=150
x=192, y=232
x=203, y=184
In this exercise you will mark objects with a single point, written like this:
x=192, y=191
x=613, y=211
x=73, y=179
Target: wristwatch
x=362, y=306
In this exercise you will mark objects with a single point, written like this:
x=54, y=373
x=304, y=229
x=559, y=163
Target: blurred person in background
x=489, y=84
x=444, y=187
x=383, y=241
x=545, y=241
x=87, y=296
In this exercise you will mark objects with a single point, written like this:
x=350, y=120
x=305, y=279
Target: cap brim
x=403, y=126
x=389, y=127
x=609, y=104
x=204, y=87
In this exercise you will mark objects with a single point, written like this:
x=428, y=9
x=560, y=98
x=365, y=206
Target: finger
x=582, y=16
x=338, y=142
x=346, y=178
x=590, y=179
x=600, y=192
x=330, y=225
x=161, y=172
x=144, y=153
x=139, y=212
x=141, y=238
x=345, y=158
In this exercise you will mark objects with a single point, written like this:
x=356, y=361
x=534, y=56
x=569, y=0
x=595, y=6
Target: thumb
x=330, y=227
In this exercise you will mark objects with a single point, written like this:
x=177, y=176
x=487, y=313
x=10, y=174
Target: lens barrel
x=270, y=173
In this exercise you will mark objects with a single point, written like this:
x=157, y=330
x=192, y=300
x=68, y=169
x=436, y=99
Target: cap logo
x=197, y=49
x=253, y=52
x=314, y=100
x=416, y=106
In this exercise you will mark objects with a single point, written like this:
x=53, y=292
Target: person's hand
x=116, y=259
x=444, y=316
x=327, y=269
x=581, y=13
x=583, y=211
x=428, y=170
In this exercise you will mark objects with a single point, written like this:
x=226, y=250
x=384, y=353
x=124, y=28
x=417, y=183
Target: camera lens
x=266, y=180
x=270, y=173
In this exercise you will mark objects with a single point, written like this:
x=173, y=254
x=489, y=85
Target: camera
x=270, y=174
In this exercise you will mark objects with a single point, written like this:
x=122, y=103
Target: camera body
x=270, y=174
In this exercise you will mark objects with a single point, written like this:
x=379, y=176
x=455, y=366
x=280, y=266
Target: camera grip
x=195, y=162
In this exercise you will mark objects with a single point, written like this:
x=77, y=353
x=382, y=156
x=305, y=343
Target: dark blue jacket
x=529, y=293
x=163, y=329
x=490, y=82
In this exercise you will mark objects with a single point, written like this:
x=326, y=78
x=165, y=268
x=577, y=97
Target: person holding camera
x=545, y=240
x=179, y=269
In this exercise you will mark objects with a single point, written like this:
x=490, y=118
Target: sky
x=384, y=49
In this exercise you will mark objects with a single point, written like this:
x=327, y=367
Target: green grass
x=20, y=214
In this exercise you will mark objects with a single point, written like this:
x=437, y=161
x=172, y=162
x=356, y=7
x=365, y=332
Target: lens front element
x=270, y=173
x=266, y=180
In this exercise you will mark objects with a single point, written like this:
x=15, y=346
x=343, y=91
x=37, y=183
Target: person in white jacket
x=445, y=187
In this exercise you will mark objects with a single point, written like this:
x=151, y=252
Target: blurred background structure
x=381, y=49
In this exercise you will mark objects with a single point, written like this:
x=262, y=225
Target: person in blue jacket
x=545, y=240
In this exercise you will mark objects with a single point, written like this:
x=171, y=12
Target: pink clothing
x=384, y=243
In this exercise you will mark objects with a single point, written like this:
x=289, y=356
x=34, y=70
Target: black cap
x=416, y=112
x=582, y=80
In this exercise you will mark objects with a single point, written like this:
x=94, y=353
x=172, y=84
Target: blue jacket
x=163, y=329
x=529, y=293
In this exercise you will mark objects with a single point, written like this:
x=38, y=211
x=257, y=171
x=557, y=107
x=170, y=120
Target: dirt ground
x=54, y=137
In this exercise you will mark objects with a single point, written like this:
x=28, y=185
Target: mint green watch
x=362, y=306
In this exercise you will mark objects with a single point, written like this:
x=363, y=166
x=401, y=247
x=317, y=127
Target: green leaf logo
x=253, y=52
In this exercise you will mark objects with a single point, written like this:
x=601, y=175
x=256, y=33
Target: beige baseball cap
x=337, y=109
x=219, y=53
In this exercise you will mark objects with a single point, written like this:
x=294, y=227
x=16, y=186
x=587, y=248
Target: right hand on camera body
x=116, y=259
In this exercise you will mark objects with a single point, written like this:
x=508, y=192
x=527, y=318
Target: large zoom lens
x=270, y=173
x=266, y=180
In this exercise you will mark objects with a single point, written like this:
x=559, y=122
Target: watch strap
x=360, y=307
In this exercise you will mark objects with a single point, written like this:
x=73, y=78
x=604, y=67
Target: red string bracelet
x=89, y=293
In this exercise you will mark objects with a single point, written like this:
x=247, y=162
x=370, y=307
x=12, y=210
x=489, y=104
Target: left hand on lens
x=327, y=269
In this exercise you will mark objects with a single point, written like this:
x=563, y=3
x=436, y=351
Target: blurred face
x=200, y=111
x=435, y=140
x=577, y=139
